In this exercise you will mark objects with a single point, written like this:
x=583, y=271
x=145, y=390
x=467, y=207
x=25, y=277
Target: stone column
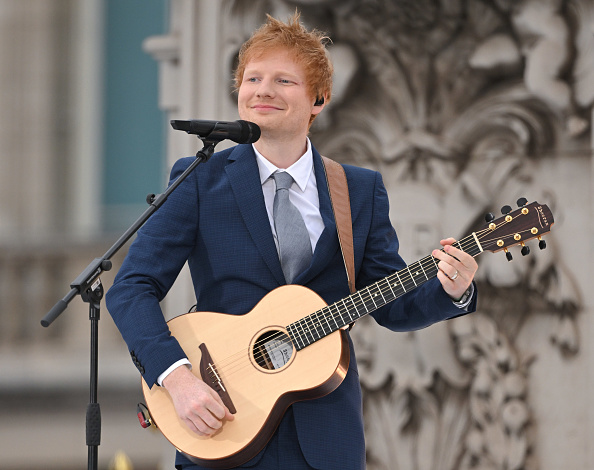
x=189, y=64
x=29, y=68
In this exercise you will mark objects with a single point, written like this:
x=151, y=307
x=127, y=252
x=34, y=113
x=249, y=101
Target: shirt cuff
x=464, y=302
x=171, y=368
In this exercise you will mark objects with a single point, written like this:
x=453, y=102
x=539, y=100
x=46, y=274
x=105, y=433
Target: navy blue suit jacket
x=217, y=221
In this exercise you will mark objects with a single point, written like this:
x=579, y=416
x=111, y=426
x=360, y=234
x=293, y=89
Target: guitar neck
x=350, y=309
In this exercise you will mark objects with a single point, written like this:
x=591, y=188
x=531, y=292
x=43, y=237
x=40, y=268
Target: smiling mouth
x=265, y=107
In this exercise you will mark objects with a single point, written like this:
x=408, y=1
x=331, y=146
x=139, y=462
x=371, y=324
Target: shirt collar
x=300, y=170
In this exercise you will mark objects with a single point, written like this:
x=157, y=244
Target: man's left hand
x=456, y=268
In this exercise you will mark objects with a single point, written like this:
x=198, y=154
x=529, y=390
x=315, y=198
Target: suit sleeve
x=419, y=308
x=151, y=266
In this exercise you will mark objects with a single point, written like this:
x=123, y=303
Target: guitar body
x=259, y=387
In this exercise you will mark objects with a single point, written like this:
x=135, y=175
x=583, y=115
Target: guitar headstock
x=516, y=227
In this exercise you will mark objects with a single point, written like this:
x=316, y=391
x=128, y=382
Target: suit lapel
x=244, y=179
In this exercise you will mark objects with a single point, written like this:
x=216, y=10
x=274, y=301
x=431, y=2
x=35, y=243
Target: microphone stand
x=88, y=286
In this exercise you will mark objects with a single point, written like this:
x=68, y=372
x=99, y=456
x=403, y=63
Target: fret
x=400, y=281
x=327, y=322
x=322, y=322
x=306, y=330
x=354, y=307
x=424, y=274
x=431, y=269
x=382, y=294
x=435, y=263
x=377, y=293
x=334, y=316
x=345, y=315
x=338, y=314
x=369, y=304
x=346, y=322
x=417, y=276
x=374, y=306
x=411, y=276
x=301, y=337
x=313, y=323
x=387, y=292
x=392, y=287
x=319, y=324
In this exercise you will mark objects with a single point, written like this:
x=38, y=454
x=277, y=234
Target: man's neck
x=282, y=154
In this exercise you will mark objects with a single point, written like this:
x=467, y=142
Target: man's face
x=273, y=94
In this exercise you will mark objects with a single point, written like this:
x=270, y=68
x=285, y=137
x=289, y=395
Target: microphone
x=242, y=132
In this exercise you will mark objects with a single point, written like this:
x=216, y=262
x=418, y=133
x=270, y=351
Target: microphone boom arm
x=88, y=286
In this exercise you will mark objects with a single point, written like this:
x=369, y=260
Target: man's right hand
x=197, y=404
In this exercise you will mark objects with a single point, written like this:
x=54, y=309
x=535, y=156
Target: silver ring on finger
x=455, y=276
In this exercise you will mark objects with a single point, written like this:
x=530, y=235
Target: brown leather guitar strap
x=341, y=206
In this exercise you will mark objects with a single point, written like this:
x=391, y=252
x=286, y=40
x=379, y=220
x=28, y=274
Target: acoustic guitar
x=292, y=346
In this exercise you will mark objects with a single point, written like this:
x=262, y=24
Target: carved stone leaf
x=496, y=443
x=481, y=411
x=498, y=51
x=583, y=71
x=516, y=453
x=486, y=330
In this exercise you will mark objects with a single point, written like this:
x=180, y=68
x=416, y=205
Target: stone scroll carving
x=458, y=104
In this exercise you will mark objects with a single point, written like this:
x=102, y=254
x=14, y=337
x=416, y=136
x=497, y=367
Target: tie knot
x=282, y=179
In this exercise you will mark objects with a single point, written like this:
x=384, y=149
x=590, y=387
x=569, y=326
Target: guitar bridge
x=211, y=377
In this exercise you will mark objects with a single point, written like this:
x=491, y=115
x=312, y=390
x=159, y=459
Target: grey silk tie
x=293, y=238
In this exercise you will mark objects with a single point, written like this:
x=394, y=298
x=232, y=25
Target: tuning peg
x=506, y=209
x=542, y=244
x=489, y=217
x=525, y=250
x=522, y=202
x=508, y=255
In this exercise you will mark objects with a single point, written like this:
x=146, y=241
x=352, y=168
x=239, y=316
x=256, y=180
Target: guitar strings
x=313, y=320
x=310, y=321
x=316, y=319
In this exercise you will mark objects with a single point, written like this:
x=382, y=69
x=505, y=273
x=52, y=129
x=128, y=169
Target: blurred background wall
x=463, y=105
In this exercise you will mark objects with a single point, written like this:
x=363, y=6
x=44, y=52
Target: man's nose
x=265, y=89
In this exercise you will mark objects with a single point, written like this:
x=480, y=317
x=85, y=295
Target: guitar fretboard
x=349, y=309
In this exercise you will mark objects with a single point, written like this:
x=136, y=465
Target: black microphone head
x=180, y=125
x=249, y=133
x=242, y=132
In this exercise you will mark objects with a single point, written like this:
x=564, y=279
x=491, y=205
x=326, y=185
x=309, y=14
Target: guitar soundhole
x=272, y=350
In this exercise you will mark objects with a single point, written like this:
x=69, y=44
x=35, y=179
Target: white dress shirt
x=303, y=193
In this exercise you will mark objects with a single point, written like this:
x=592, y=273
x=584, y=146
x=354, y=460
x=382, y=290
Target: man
x=222, y=221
